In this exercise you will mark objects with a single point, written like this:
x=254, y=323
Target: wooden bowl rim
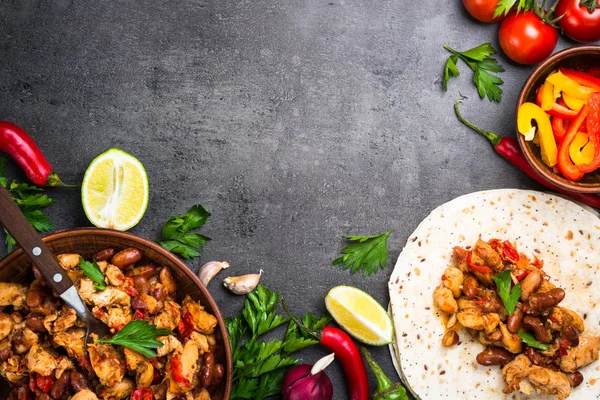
x=532, y=159
x=81, y=232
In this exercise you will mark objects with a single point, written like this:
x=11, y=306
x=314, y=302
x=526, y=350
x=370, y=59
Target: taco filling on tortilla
x=505, y=300
x=553, y=236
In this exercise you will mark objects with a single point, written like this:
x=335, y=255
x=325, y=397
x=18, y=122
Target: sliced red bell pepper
x=475, y=267
x=565, y=165
x=583, y=78
x=523, y=275
x=559, y=128
x=594, y=71
x=593, y=127
x=562, y=111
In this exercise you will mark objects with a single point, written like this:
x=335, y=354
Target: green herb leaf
x=509, y=297
x=92, y=270
x=244, y=388
x=3, y=172
x=270, y=384
x=503, y=7
x=369, y=253
x=259, y=311
x=481, y=63
x=140, y=336
x=175, y=235
x=530, y=340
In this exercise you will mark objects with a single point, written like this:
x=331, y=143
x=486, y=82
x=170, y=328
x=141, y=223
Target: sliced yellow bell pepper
x=582, y=149
x=569, y=86
x=547, y=94
x=572, y=102
x=528, y=112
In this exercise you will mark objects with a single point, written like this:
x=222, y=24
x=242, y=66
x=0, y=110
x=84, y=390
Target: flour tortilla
x=559, y=232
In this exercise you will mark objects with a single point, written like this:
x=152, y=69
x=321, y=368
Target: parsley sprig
x=509, y=297
x=503, y=7
x=259, y=365
x=368, y=252
x=30, y=200
x=140, y=336
x=530, y=340
x=93, y=271
x=176, y=237
x=481, y=63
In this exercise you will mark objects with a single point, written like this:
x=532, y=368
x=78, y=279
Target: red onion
x=306, y=381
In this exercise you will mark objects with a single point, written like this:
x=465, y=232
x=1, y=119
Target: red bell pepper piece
x=559, y=128
x=523, y=275
x=583, y=78
x=593, y=127
x=142, y=394
x=565, y=165
x=562, y=111
x=44, y=383
x=475, y=267
x=594, y=71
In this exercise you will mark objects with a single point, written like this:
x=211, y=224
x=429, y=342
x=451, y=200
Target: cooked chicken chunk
x=111, y=296
x=114, y=275
x=146, y=303
x=65, y=364
x=510, y=341
x=560, y=317
x=22, y=339
x=61, y=320
x=166, y=278
x=118, y=317
x=520, y=374
x=585, y=353
x=188, y=361
x=12, y=294
x=170, y=345
x=141, y=366
x=453, y=280
x=68, y=261
x=85, y=395
x=444, y=300
x=40, y=361
x=6, y=325
x=73, y=340
x=460, y=258
x=14, y=369
x=484, y=254
x=471, y=318
x=169, y=317
x=107, y=363
x=201, y=340
x=201, y=395
x=119, y=391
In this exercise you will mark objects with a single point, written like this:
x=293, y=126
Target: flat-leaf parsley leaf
x=368, y=252
x=509, y=297
x=175, y=235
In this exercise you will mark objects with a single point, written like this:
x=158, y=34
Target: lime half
x=360, y=315
x=115, y=190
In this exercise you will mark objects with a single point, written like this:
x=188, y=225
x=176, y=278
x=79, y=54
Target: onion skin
x=299, y=384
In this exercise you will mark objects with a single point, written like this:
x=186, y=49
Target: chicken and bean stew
x=504, y=300
x=42, y=350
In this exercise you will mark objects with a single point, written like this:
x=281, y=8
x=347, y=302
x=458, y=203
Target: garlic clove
x=210, y=269
x=243, y=284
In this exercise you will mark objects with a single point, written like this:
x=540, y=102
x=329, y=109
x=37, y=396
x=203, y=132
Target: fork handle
x=27, y=238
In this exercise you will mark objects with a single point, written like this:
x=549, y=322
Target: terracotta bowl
x=17, y=268
x=579, y=58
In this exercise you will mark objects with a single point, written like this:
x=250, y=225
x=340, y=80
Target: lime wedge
x=115, y=190
x=360, y=315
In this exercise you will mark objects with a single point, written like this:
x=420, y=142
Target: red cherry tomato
x=578, y=23
x=525, y=38
x=482, y=10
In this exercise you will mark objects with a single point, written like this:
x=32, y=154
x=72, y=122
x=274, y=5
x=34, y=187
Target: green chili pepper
x=386, y=390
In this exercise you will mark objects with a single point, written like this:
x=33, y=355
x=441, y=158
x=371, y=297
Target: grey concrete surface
x=293, y=122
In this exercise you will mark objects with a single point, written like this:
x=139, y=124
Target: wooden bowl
x=16, y=267
x=579, y=58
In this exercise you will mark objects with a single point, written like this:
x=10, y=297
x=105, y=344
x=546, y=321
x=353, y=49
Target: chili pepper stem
x=383, y=382
x=492, y=137
x=311, y=332
x=54, y=181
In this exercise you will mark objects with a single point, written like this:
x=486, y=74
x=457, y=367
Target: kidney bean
x=207, y=369
x=450, y=339
x=60, y=386
x=494, y=336
x=571, y=333
x=514, y=321
x=530, y=284
x=126, y=257
x=43, y=396
x=36, y=273
x=35, y=322
x=35, y=296
x=575, y=378
x=471, y=287
x=218, y=373
x=160, y=393
x=539, y=302
x=141, y=284
x=494, y=356
x=159, y=293
x=535, y=324
x=104, y=255
x=166, y=278
x=5, y=353
x=79, y=381
x=534, y=356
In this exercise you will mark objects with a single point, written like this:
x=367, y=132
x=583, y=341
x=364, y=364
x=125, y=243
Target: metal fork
x=56, y=278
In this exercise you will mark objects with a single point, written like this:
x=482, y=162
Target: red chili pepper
x=142, y=394
x=185, y=326
x=509, y=253
x=593, y=128
x=508, y=147
x=566, y=166
x=346, y=353
x=44, y=383
x=583, y=78
x=563, y=346
x=21, y=147
x=130, y=290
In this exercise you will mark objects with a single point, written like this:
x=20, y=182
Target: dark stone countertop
x=293, y=122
